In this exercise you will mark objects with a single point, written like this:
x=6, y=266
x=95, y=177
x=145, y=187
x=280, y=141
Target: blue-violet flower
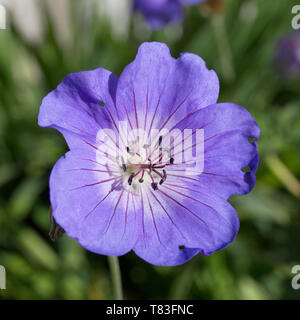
x=160, y=12
x=153, y=158
x=287, y=57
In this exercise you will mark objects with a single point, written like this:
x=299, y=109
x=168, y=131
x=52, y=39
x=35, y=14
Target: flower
x=287, y=57
x=137, y=194
x=160, y=12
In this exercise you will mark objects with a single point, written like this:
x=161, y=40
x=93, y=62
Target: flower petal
x=159, y=13
x=90, y=206
x=156, y=90
x=73, y=107
x=181, y=221
x=190, y=2
x=227, y=149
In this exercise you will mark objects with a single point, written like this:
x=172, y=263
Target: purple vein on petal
x=157, y=105
x=115, y=210
x=187, y=178
x=108, y=156
x=170, y=115
x=187, y=116
x=104, y=198
x=176, y=109
x=192, y=179
x=166, y=212
x=96, y=162
x=126, y=212
x=193, y=133
x=135, y=109
x=180, y=204
x=93, y=184
x=87, y=133
x=134, y=208
x=204, y=173
x=189, y=197
x=153, y=219
x=147, y=105
x=182, y=187
x=143, y=216
x=92, y=170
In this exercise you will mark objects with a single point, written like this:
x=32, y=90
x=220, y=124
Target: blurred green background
x=78, y=35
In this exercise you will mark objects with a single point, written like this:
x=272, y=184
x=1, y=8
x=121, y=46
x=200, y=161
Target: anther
x=171, y=160
x=154, y=186
x=130, y=179
x=164, y=178
x=160, y=140
x=160, y=149
x=123, y=165
x=130, y=152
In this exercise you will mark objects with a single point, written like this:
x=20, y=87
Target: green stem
x=283, y=173
x=223, y=47
x=116, y=277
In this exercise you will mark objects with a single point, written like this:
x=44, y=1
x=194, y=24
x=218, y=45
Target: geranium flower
x=287, y=58
x=135, y=193
x=160, y=12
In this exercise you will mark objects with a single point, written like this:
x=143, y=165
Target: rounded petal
x=89, y=204
x=158, y=13
x=156, y=90
x=230, y=157
x=190, y=2
x=181, y=221
x=74, y=108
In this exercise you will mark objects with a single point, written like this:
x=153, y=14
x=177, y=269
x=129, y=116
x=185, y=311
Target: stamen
x=130, y=179
x=141, y=180
x=154, y=186
x=160, y=140
x=160, y=158
x=151, y=166
x=123, y=165
x=155, y=166
x=130, y=152
x=161, y=176
x=164, y=177
x=160, y=149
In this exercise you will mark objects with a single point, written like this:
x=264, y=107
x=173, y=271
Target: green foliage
x=257, y=265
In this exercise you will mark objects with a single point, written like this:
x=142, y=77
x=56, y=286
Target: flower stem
x=224, y=47
x=116, y=277
x=283, y=173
